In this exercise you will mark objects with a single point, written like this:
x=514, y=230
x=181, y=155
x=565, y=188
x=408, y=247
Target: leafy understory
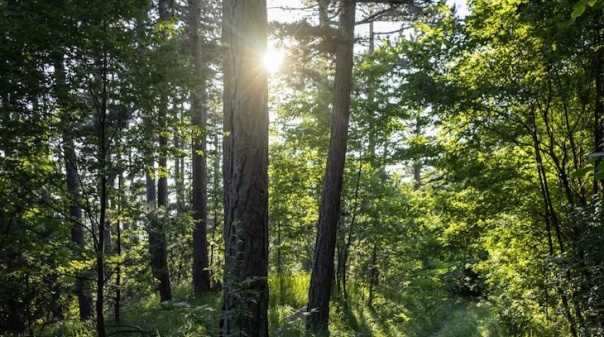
x=187, y=315
x=153, y=172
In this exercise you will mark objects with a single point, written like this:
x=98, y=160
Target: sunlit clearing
x=273, y=60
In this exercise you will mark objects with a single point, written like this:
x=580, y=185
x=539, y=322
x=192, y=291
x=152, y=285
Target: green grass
x=459, y=319
x=144, y=315
x=288, y=294
x=289, y=290
x=187, y=315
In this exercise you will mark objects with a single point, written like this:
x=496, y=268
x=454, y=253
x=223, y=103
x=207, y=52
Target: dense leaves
x=472, y=192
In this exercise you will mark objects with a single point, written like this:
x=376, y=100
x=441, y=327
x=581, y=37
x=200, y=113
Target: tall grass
x=288, y=295
x=391, y=316
x=289, y=290
x=144, y=315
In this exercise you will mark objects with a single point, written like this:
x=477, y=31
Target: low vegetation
x=189, y=316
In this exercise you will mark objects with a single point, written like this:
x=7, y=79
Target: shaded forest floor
x=187, y=315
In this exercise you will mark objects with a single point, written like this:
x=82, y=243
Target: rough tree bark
x=323, y=265
x=245, y=169
x=201, y=274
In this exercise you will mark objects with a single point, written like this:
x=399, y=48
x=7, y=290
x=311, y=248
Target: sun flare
x=273, y=60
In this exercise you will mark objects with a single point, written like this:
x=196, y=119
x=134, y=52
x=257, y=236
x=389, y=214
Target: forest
x=341, y=168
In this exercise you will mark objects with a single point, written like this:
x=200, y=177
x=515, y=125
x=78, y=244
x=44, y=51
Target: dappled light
x=298, y=168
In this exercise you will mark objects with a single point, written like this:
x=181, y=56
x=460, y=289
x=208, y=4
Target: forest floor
x=187, y=315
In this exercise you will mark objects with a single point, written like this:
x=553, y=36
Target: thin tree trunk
x=323, y=265
x=245, y=169
x=280, y=266
x=550, y=216
x=216, y=192
x=104, y=196
x=348, y=239
x=157, y=235
x=201, y=274
x=100, y=264
x=598, y=66
x=160, y=254
x=157, y=249
x=118, y=251
x=372, y=152
x=77, y=233
x=417, y=163
x=561, y=169
x=373, y=276
x=598, y=71
x=570, y=134
x=178, y=181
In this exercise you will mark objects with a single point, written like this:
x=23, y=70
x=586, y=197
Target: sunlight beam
x=273, y=60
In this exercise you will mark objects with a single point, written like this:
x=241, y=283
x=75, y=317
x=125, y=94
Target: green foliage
x=580, y=6
x=289, y=295
x=289, y=290
x=185, y=316
x=470, y=206
x=296, y=167
x=84, y=67
x=506, y=86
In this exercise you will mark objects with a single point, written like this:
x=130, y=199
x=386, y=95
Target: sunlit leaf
x=578, y=9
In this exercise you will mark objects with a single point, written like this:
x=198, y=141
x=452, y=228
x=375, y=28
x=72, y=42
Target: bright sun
x=273, y=60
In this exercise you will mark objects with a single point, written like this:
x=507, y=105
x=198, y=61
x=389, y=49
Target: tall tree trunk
x=598, y=75
x=373, y=271
x=245, y=169
x=216, y=194
x=75, y=211
x=104, y=197
x=100, y=263
x=323, y=265
x=77, y=233
x=598, y=65
x=178, y=176
x=157, y=234
x=118, y=251
x=157, y=248
x=201, y=274
x=160, y=255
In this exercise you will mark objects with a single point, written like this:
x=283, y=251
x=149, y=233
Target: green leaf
x=424, y=27
x=591, y=3
x=578, y=9
x=580, y=173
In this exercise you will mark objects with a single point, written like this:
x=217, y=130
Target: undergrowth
x=188, y=316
